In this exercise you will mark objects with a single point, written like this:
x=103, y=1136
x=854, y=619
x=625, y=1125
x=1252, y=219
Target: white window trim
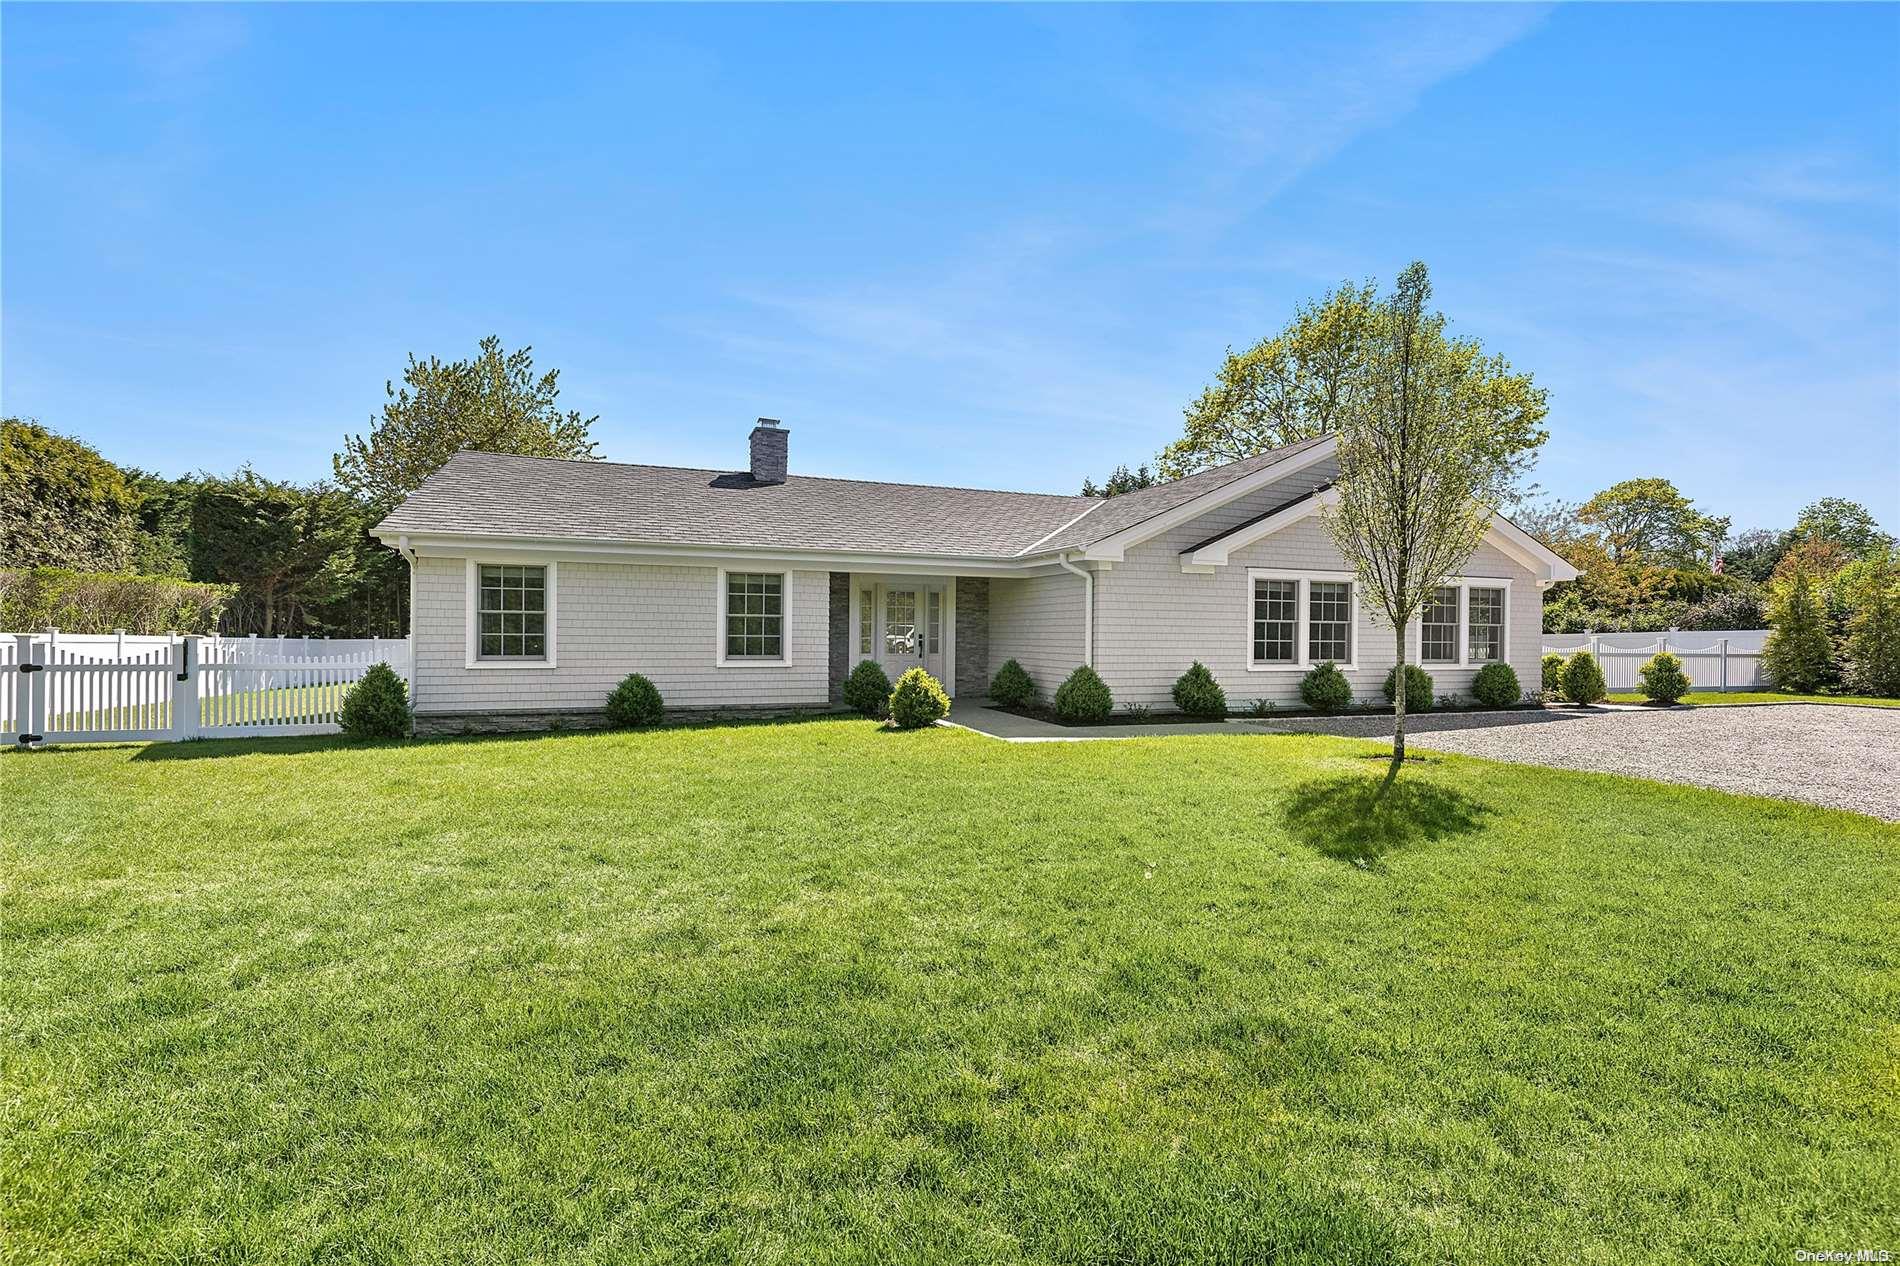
x=472, y=622
x=1464, y=585
x=784, y=660
x=1303, y=612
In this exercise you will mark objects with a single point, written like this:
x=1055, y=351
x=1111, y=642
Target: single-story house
x=538, y=584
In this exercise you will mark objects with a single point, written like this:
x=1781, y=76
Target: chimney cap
x=769, y=422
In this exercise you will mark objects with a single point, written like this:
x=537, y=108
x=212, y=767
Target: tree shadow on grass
x=1360, y=820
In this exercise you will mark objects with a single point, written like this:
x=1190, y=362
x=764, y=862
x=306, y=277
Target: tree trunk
x=1398, y=707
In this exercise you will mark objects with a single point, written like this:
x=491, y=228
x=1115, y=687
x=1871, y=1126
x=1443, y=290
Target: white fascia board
x=1533, y=553
x=1215, y=553
x=1112, y=548
x=567, y=549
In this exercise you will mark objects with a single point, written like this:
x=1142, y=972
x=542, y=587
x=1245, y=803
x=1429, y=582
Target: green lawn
x=785, y=993
x=1718, y=698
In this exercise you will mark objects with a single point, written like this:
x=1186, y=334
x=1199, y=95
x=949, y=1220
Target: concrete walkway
x=975, y=714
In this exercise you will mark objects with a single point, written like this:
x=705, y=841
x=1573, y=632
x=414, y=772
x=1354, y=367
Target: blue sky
x=986, y=245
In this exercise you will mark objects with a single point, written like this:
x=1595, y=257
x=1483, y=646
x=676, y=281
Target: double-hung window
x=1329, y=621
x=1485, y=615
x=511, y=612
x=1299, y=619
x=754, y=624
x=1438, y=627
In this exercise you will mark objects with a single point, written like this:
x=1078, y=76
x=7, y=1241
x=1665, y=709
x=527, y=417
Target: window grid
x=1486, y=618
x=1329, y=621
x=867, y=618
x=512, y=612
x=900, y=611
x=1275, y=611
x=933, y=603
x=755, y=616
x=1438, y=627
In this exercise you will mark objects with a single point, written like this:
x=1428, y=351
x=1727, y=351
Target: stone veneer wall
x=973, y=635
x=838, y=661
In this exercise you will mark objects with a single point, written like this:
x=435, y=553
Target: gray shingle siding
x=614, y=619
x=1037, y=621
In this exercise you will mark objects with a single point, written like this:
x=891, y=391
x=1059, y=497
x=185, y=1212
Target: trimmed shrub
x=1496, y=686
x=1553, y=674
x=376, y=707
x=635, y=702
x=1012, y=687
x=1418, y=688
x=1582, y=679
x=1662, y=678
x=1084, y=697
x=100, y=602
x=918, y=700
x=868, y=689
x=1198, y=694
x=1326, y=689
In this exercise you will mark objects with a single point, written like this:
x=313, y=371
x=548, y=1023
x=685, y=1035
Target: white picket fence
x=95, y=688
x=1727, y=659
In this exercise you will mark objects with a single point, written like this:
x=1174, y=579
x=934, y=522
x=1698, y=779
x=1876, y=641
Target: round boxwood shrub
x=1198, y=694
x=1012, y=687
x=868, y=689
x=1583, y=679
x=377, y=706
x=635, y=702
x=1553, y=674
x=1326, y=689
x=1084, y=697
x=1496, y=686
x=1418, y=688
x=1663, y=679
x=918, y=700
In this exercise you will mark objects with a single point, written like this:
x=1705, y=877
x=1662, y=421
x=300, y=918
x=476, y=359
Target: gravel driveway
x=1841, y=757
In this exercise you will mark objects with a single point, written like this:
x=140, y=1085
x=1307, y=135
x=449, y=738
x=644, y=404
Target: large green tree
x=1848, y=524
x=288, y=549
x=1648, y=521
x=1429, y=448
x=61, y=504
x=494, y=403
x=1298, y=383
x=1873, y=632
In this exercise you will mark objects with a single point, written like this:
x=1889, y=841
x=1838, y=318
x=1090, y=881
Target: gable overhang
x=1112, y=549
x=1547, y=566
x=499, y=548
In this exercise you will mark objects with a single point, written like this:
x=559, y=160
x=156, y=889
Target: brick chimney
x=769, y=441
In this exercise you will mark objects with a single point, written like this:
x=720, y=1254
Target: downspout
x=1088, y=606
x=409, y=556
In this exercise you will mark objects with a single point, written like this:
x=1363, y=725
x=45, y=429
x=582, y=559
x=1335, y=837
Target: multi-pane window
x=512, y=610
x=1486, y=615
x=1275, y=615
x=1329, y=621
x=755, y=615
x=900, y=612
x=933, y=603
x=867, y=618
x=1438, y=627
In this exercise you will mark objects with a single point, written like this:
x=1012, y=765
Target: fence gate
x=117, y=689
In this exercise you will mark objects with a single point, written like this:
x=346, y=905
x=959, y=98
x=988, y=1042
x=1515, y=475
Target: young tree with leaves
x=1873, y=633
x=493, y=404
x=1433, y=439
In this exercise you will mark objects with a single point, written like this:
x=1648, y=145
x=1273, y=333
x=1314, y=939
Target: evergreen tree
x=1873, y=634
x=1798, y=655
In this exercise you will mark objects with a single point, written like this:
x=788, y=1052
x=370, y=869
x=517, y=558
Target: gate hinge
x=32, y=668
x=30, y=738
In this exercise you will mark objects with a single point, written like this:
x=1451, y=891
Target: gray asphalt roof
x=491, y=494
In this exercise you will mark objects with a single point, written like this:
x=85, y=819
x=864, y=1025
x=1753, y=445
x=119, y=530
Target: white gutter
x=1088, y=607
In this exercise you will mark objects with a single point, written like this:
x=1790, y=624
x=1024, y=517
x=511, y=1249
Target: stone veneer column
x=838, y=661
x=973, y=636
